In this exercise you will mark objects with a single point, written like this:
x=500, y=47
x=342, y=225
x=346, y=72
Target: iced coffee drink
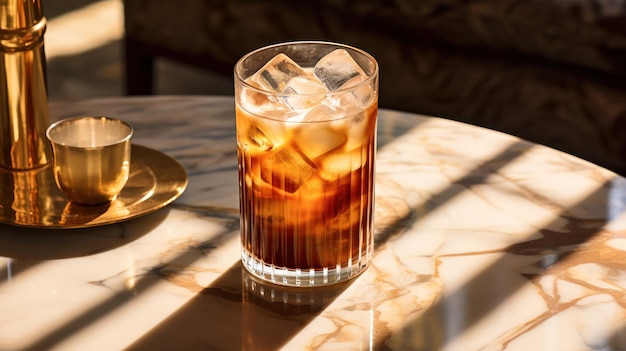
x=306, y=135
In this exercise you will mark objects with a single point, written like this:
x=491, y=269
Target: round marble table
x=483, y=242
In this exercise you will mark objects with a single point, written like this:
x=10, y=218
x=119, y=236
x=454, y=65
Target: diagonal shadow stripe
x=478, y=175
x=239, y=312
x=143, y=283
x=27, y=248
x=185, y=259
x=227, y=315
x=229, y=288
x=542, y=252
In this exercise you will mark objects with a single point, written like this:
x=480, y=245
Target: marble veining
x=483, y=242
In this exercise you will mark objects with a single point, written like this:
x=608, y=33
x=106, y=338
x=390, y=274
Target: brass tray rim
x=150, y=159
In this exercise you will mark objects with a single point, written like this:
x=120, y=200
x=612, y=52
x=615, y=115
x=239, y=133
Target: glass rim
x=367, y=81
x=73, y=120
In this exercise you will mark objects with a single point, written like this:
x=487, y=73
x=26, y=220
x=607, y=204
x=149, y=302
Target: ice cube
x=343, y=104
x=338, y=70
x=359, y=129
x=287, y=169
x=337, y=165
x=259, y=139
x=277, y=72
x=258, y=103
x=260, y=134
x=350, y=102
x=296, y=118
x=316, y=139
x=314, y=186
x=319, y=113
x=304, y=92
x=364, y=94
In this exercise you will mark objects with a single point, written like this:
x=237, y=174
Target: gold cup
x=91, y=157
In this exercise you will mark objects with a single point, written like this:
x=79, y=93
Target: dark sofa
x=549, y=71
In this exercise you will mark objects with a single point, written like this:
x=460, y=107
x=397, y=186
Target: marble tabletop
x=483, y=242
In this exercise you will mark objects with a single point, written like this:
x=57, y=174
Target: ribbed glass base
x=300, y=277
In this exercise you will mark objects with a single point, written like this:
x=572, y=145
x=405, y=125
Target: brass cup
x=91, y=158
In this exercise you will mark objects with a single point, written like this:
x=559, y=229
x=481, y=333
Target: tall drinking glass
x=306, y=141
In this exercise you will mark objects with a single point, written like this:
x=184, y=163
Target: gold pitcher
x=23, y=92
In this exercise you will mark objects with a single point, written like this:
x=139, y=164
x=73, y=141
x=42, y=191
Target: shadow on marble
x=28, y=248
x=168, y=270
x=544, y=252
x=476, y=176
x=619, y=338
x=238, y=312
x=232, y=314
x=53, y=244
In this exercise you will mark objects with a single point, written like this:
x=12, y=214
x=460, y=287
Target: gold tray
x=31, y=198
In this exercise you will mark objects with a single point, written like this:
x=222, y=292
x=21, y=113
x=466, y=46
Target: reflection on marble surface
x=483, y=242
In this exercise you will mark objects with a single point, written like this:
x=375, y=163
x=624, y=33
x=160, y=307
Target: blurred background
x=85, y=58
x=551, y=71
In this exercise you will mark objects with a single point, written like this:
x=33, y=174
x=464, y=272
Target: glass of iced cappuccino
x=306, y=141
